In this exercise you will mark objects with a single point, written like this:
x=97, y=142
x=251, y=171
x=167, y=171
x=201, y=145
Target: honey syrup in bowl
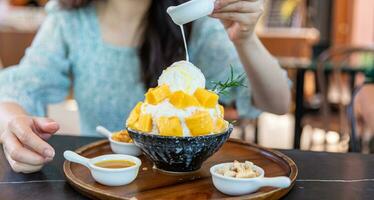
x=115, y=164
x=109, y=169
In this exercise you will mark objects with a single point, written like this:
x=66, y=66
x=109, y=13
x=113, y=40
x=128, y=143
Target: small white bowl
x=241, y=186
x=119, y=147
x=106, y=176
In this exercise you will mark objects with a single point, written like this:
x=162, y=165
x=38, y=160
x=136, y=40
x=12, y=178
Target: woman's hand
x=239, y=17
x=24, y=143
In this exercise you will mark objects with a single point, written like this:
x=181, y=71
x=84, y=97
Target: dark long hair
x=162, y=43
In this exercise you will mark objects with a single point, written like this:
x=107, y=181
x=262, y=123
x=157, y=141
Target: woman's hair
x=162, y=43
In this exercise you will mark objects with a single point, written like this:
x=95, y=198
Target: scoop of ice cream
x=183, y=76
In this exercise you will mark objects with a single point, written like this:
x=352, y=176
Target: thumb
x=45, y=125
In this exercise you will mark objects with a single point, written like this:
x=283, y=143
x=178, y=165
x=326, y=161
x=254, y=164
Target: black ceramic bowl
x=179, y=154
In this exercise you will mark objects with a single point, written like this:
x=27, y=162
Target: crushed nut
x=238, y=170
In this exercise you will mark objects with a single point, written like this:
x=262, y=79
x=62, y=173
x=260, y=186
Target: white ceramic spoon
x=190, y=11
x=119, y=147
x=240, y=186
x=107, y=176
x=103, y=131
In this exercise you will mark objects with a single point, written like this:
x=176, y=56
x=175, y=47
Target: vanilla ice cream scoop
x=182, y=76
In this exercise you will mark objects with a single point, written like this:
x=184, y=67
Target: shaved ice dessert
x=179, y=106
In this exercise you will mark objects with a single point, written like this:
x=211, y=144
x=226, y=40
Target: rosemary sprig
x=233, y=122
x=233, y=81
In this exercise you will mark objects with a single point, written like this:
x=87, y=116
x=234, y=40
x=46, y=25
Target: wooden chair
x=338, y=59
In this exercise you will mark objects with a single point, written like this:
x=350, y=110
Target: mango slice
x=144, y=123
x=200, y=123
x=182, y=100
x=220, y=125
x=158, y=94
x=222, y=110
x=169, y=126
x=206, y=98
x=134, y=116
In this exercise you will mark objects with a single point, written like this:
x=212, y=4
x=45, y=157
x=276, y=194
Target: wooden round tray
x=153, y=184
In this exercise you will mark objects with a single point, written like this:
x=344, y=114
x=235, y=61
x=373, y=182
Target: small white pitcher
x=190, y=11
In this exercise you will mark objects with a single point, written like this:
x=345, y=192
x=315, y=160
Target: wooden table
x=341, y=176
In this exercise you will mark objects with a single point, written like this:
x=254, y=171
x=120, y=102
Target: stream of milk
x=185, y=43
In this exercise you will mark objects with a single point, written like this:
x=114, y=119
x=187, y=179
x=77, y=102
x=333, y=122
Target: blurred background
x=325, y=46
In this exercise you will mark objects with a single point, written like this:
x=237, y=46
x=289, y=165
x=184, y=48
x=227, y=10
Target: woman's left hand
x=239, y=17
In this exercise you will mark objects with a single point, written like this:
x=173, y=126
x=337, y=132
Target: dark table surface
x=321, y=176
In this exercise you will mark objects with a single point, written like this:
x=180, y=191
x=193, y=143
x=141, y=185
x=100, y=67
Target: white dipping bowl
x=241, y=186
x=124, y=148
x=114, y=177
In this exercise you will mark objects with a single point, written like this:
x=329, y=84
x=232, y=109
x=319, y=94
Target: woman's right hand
x=24, y=142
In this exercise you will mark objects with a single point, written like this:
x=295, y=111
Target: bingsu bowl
x=180, y=123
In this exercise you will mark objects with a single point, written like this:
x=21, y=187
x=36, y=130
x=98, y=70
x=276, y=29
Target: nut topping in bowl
x=236, y=178
x=239, y=170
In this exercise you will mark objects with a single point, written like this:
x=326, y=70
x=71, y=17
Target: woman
x=110, y=51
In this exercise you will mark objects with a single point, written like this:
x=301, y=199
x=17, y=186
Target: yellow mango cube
x=134, y=116
x=144, y=123
x=206, y=98
x=182, y=100
x=200, y=123
x=222, y=110
x=220, y=125
x=169, y=126
x=134, y=126
x=158, y=94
